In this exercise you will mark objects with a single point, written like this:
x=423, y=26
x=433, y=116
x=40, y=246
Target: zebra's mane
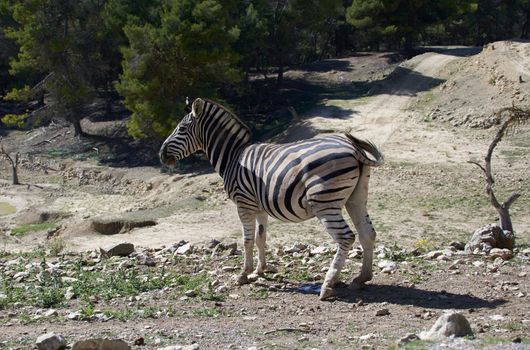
x=232, y=114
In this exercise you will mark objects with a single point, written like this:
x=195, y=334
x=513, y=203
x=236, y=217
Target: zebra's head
x=184, y=140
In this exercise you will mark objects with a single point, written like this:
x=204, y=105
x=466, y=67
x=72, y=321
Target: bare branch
x=508, y=202
x=477, y=164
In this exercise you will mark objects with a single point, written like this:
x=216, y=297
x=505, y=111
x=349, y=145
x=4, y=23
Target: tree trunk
x=15, y=173
x=504, y=219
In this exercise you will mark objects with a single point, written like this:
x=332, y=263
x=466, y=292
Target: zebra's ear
x=187, y=108
x=197, y=107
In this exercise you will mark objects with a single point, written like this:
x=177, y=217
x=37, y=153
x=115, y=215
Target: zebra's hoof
x=326, y=292
x=242, y=279
x=357, y=285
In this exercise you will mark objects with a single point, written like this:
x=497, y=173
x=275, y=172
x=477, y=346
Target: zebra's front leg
x=248, y=220
x=261, y=239
x=337, y=227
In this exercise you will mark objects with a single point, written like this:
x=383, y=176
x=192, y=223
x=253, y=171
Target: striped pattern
x=291, y=182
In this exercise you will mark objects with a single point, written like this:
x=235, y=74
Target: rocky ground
x=55, y=278
x=185, y=294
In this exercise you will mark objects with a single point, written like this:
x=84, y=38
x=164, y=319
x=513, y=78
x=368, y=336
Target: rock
x=504, y=254
x=450, y=324
x=184, y=249
x=69, y=293
x=20, y=276
x=120, y=249
x=190, y=293
x=320, y=250
x=457, y=245
x=488, y=237
x=111, y=225
x=74, y=316
x=407, y=339
x=181, y=347
x=435, y=254
x=296, y=248
x=382, y=312
x=101, y=344
x=50, y=313
x=387, y=266
x=50, y=341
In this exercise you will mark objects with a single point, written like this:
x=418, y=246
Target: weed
x=25, y=228
x=258, y=293
x=424, y=245
x=206, y=311
x=56, y=245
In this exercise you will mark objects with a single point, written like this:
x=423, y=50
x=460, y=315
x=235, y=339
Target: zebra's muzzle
x=164, y=158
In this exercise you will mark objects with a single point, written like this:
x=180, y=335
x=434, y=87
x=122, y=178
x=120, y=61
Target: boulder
x=120, y=249
x=488, y=237
x=50, y=341
x=450, y=324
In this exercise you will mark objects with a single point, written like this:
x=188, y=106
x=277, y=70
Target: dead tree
x=14, y=163
x=510, y=118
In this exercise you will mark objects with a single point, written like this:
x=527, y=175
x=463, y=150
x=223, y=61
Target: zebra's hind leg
x=356, y=207
x=261, y=239
x=248, y=220
x=336, y=226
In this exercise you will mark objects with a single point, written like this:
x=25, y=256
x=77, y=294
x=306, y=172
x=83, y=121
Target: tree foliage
x=188, y=53
x=155, y=53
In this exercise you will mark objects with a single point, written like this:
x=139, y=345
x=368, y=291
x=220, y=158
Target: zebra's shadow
x=401, y=295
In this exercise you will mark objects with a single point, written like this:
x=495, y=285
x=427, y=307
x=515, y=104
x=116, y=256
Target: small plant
x=56, y=245
x=424, y=245
x=26, y=228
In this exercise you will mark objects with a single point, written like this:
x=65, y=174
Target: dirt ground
x=429, y=115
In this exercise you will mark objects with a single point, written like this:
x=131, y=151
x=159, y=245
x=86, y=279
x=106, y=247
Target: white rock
x=184, y=249
x=450, y=324
x=50, y=313
x=387, y=266
x=69, y=293
x=368, y=336
x=50, y=341
x=320, y=250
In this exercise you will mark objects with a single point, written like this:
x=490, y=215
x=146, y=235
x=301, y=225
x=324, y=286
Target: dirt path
x=378, y=116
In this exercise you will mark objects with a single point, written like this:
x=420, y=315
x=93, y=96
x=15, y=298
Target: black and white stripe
x=291, y=182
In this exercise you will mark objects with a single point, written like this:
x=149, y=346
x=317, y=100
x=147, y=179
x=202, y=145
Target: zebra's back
x=292, y=181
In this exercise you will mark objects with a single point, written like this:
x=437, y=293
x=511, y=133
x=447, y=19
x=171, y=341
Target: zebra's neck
x=225, y=137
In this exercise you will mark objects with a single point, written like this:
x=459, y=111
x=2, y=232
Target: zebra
x=291, y=182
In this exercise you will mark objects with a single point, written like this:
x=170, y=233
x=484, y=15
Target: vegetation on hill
x=64, y=55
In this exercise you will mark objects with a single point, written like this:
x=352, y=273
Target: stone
x=184, y=249
x=382, y=312
x=488, y=237
x=435, y=254
x=320, y=250
x=450, y=324
x=457, y=245
x=50, y=313
x=120, y=249
x=387, y=266
x=296, y=248
x=69, y=293
x=181, y=347
x=50, y=341
x=504, y=254
x=101, y=344
x=407, y=339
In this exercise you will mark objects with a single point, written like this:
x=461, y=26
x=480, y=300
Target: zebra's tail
x=362, y=147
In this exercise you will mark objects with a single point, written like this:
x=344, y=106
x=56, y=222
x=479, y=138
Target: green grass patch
x=26, y=228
